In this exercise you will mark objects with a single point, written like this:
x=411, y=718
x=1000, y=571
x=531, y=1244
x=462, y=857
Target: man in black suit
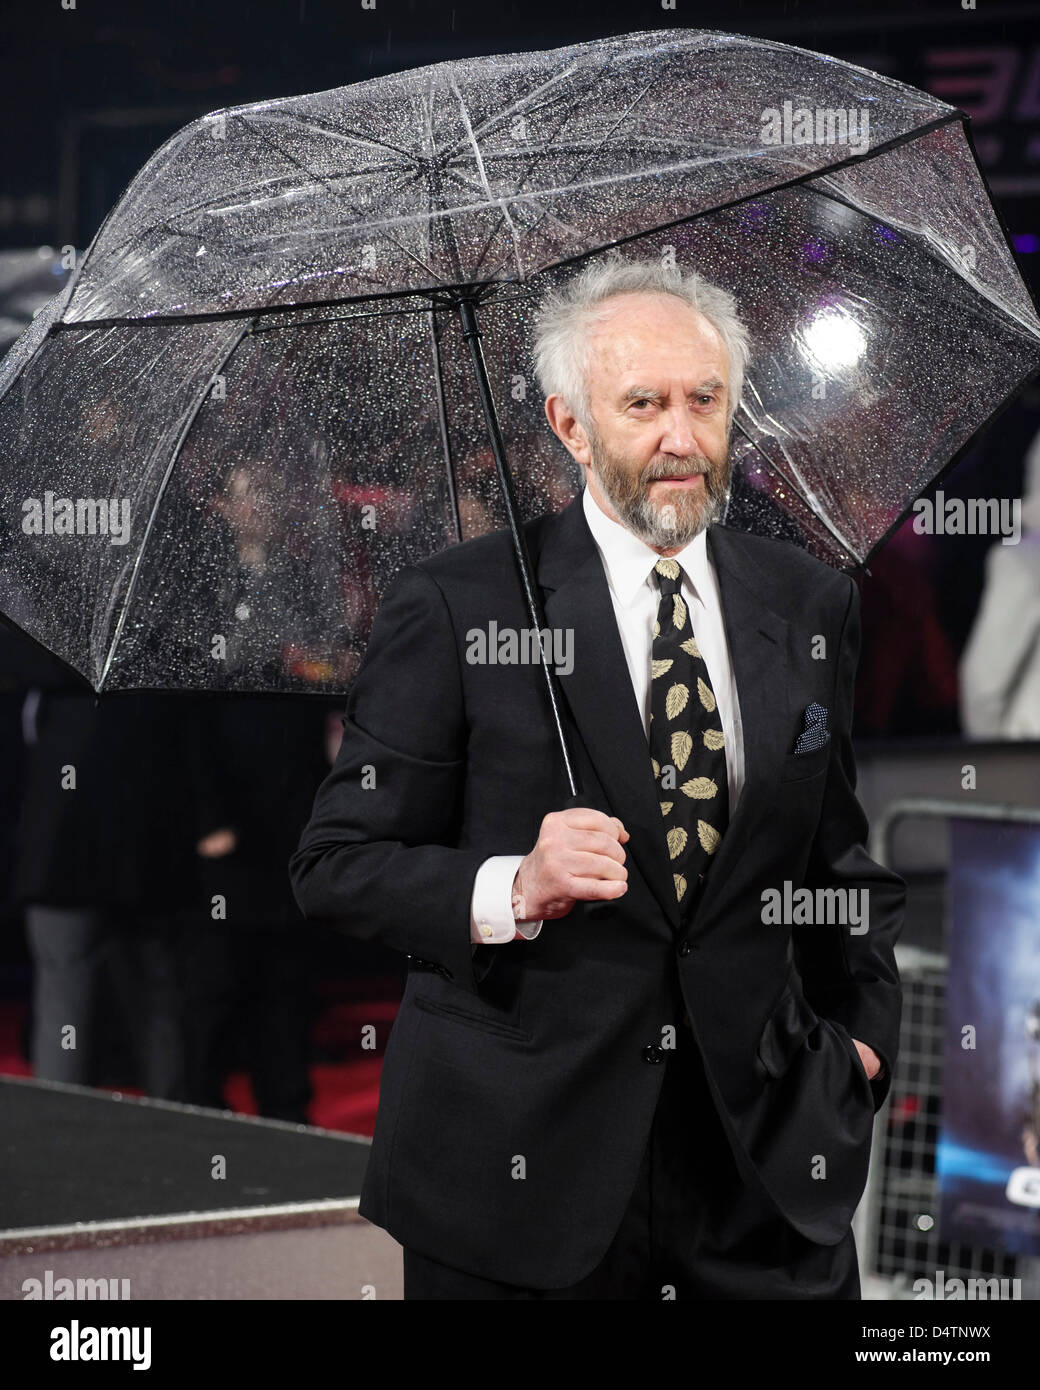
x=642, y=1059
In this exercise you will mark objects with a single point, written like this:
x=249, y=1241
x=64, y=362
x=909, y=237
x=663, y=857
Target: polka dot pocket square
x=815, y=734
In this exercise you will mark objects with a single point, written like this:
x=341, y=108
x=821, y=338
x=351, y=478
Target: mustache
x=692, y=466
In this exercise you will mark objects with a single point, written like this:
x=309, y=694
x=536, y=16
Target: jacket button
x=685, y=948
x=652, y=1053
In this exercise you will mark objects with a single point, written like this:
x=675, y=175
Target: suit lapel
x=757, y=638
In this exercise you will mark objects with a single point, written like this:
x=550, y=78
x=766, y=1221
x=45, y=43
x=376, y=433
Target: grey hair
x=565, y=315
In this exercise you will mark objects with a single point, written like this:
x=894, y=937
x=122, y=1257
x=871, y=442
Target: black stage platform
x=180, y=1201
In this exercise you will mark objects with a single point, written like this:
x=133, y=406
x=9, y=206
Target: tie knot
x=669, y=575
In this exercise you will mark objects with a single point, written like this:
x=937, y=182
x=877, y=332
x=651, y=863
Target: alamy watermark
x=969, y=516
x=77, y=516
x=817, y=125
x=81, y=1342
x=946, y=1290
x=78, y=1289
x=820, y=907
x=510, y=646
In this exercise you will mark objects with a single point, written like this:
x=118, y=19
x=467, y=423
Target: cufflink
x=486, y=930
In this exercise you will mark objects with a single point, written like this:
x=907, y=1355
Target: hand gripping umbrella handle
x=599, y=906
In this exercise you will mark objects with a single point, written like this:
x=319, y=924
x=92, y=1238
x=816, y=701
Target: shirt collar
x=629, y=561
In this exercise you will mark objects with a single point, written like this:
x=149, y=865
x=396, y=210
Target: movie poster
x=988, y=1158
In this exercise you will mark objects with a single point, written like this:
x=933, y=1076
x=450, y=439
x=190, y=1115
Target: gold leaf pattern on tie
x=701, y=787
x=682, y=704
x=682, y=747
x=708, y=836
x=675, y=700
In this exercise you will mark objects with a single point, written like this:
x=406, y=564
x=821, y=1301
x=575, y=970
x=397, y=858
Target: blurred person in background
x=1000, y=666
x=104, y=862
x=246, y=950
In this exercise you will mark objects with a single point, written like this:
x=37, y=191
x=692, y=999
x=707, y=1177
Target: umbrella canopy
x=256, y=400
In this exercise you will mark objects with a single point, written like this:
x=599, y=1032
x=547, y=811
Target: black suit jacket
x=520, y=1080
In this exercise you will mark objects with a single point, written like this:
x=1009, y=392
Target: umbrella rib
x=338, y=318
x=209, y=205
x=522, y=103
x=622, y=117
x=798, y=483
x=496, y=298
x=796, y=181
x=500, y=202
x=313, y=124
x=253, y=311
x=192, y=416
x=442, y=420
x=216, y=206
x=596, y=148
x=924, y=245
x=316, y=178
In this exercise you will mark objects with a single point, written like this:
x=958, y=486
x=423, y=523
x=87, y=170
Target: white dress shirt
x=628, y=564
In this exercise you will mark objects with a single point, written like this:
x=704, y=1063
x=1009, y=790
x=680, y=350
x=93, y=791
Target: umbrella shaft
x=471, y=333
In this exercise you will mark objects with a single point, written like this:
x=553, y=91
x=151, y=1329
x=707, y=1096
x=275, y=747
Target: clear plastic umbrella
x=296, y=355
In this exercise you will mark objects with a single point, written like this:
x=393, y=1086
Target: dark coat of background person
x=103, y=868
x=265, y=800
x=548, y=1050
x=123, y=836
x=155, y=772
x=246, y=971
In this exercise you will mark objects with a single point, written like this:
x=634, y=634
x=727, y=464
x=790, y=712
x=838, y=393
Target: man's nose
x=679, y=437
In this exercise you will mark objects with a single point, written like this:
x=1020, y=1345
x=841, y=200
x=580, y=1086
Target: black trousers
x=692, y=1228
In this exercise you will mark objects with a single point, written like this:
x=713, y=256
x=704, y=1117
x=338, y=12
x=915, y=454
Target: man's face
x=658, y=456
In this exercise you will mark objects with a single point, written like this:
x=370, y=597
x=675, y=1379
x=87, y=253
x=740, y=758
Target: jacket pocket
x=471, y=1019
x=845, y=1038
x=799, y=766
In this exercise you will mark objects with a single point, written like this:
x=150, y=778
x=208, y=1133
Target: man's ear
x=567, y=429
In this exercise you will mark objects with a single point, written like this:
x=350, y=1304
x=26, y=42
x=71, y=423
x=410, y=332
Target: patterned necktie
x=686, y=740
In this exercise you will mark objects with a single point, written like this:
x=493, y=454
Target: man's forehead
x=626, y=312
x=632, y=332
x=639, y=363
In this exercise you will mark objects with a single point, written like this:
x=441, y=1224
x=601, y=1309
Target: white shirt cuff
x=491, y=907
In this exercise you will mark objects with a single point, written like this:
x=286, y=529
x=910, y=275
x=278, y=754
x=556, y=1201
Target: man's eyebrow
x=650, y=393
